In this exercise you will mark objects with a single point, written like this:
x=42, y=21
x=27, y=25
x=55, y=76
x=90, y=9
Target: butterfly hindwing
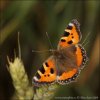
x=81, y=56
x=67, y=76
x=76, y=61
x=72, y=35
x=46, y=73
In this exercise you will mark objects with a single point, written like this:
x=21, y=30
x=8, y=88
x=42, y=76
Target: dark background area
x=33, y=18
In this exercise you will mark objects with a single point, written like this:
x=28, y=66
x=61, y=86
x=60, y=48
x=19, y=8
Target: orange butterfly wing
x=70, y=75
x=47, y=73
x=72, y=35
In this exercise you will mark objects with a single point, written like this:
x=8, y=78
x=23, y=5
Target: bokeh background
x=33, y=18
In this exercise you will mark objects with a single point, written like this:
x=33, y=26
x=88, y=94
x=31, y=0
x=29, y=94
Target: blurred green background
x=33, y=18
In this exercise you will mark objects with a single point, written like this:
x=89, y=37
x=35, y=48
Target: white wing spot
x=35, y=78
x=71, y=24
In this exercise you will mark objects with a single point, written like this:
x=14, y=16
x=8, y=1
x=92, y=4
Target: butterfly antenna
x=49, y=41
x=41, y=51
x=51, y=50
x=86, y=43
x=86, y=38
x=19, y=48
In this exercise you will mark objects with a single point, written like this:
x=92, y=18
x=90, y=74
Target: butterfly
x=65, y=63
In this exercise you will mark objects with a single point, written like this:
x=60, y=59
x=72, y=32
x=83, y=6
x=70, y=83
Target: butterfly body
x=66, y=62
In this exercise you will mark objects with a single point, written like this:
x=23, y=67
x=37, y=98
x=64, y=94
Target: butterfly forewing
x=46, y=73
x=71, y=35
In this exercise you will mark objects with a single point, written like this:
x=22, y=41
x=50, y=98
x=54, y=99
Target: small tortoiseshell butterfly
x=66, y=62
